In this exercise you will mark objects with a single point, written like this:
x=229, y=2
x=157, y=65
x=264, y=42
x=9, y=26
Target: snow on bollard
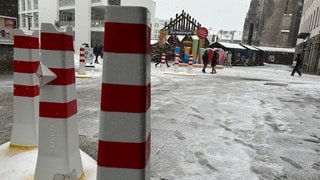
x=124, y=137
x=26, y=89
x=163, y=61
x=58, y=152
x=190, y=65
x=82, y=62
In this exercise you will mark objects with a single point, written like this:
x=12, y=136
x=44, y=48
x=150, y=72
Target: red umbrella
x=210, y=55
x=221, y=55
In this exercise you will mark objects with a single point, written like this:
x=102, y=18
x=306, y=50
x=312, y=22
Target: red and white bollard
x=58, y=152
x=176, y=62
x=190, y=65
x=163, y=61
x=26, y=89
x=82, y=62
x=124, y=137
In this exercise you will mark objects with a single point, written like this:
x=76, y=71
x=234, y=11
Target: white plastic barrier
x=163, y=61
x=82, y=62
x=124, y=137
x=58, y=153
x=26, y=89
x=190, y=64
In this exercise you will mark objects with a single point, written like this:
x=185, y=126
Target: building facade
x=272, y=23
x=85, y=16
x=8, y=8
x=229, y=36
x=157, y=26
x=308, y=43
x=8, y=15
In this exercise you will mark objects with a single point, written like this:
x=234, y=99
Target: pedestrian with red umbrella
x=205, y=58
x=214, y=60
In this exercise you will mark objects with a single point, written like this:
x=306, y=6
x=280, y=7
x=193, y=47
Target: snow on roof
x=231, y=45
x=273, y=49
x=194, y=37
x=250, y=47
x=8, y=17
x=154, y=41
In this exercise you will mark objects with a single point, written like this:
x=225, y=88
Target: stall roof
x=154, y=41
x=229, y=45
x=250, y=47
x=273, y=49
x=194, y=37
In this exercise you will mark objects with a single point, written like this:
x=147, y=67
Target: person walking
x=214, y=62
x=228, y=57
x=205, y=58
x=101, y=51
x=158, y=60
x=96, y=52
x=297, y=66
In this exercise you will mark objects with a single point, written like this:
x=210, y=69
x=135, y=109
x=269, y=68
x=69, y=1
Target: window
x=285, y=10
x=22, y=5
x=114, y=2
x=317, y=19
x=36, y=19
x=63, y=3
x=35, y=4
x=29, y=4
x=23, y=21
x=314, y=20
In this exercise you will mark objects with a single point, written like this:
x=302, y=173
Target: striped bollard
x=26, y=89
x=82, y=62
x=124, y=137
x=58, y=152
x=190, y=65
x=163, y=61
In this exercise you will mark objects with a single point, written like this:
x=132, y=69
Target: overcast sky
x=215, y=14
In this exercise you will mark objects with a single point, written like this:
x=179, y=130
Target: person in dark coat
x=205, y=58
x=96, y=52
x=101, y=50
x=214, y=62
x=297, y=66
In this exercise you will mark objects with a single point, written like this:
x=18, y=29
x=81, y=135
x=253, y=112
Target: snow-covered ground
x=243, y=123
x=20, y=163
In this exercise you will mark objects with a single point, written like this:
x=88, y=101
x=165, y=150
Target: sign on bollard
x=89, y=57
x=58, y=152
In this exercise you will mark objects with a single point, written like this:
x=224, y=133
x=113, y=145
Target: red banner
x=9, y=23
